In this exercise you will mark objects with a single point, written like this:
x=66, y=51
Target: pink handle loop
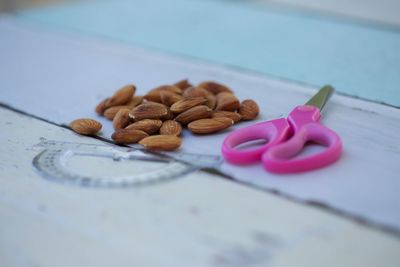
x=282, y=157
x=273, y=131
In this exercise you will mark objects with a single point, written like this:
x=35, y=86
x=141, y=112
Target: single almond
x=227, y=101
x=128, y=136
x=148, y=110
x=121, y=96
x=110, y=113
x=195, y=91
x=161, y=142
x=183, y=84
x=211, y=101
x=194, y=113
x=154, y=94
x=187, y=103
x=214, y=87
x=169, y=98
x=171, y=127
x=206, y=126
x=121, y=119
x=85, y=126
x=236, y=117
x=248, y=109
x=101, y=107
x=147, y=125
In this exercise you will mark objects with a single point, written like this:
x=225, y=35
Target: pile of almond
x=156, y=119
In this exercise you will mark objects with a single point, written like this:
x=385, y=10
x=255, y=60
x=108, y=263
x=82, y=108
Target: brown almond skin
x=154, y=94
x=169, y=116
x=207, y=126
x=194, y=113
x=211, y=101
x=121, y=96
x=128, y=136
x=236, y=117
x=85, y=126
x=136, y=100
x=169, y=98
x=121, y=119
x=187, y=103
x=195, y=91
x=171, y=127
x=101, y=107
x=183, y=84
x=249, y=109
x=161, y=142
x=148, y=110
x=227, y=101
x=214, y=87
x=147, y=125
x=110, y=113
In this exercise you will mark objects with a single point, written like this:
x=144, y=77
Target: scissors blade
x=319, y=99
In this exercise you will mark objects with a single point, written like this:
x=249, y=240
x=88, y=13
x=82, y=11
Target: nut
x=101, y=107
x=121, y=119
x=154, y=94
x=195, y=91
x=227, y=101
x=171, y=127
x=169, y=98
x=128, y=136
x=248, y=109
x=236, y=117
x=147, y=125
x=161, y=142
x=148, y=110
x=135, y=101
x=194, y=113
x=206, y=126
x=183, y=84
x=122, y=96
x=111, y=112
x=211, y=101
x=215, y=88
x=85, y=126
x=187, y=103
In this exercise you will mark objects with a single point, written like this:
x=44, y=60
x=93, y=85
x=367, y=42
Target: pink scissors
x=286, y=137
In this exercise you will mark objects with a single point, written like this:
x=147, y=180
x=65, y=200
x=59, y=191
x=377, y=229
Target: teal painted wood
x=357, y=60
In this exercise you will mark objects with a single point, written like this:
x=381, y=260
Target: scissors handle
x=282, y=157
x=273, y=132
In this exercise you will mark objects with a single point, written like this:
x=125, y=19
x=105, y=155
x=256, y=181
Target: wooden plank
x=197, y=220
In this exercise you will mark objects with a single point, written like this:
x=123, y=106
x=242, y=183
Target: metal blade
x=319, y=99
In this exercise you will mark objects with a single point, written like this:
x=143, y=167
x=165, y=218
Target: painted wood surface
x=196, y=220
x=61, y=77
x=358, y=59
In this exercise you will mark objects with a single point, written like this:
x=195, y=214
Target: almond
x=147, y=125
x=121, y=96
x=236, y=117
x=187, y=103
x=169, y=98
x=121, y=119
x=183, y=84
x=85, y=126
x=195, y=91
x=128, y=136
x=148, y=110
x=194, y=113
x=171, y=127
x=248, y=109
x=154, y=94
x=101, y=107
x=227, y=101
x=215, y=88
x=211, y=101
x=135, y=101
x=161, y=142
x=206, y=126
x=111, y=112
